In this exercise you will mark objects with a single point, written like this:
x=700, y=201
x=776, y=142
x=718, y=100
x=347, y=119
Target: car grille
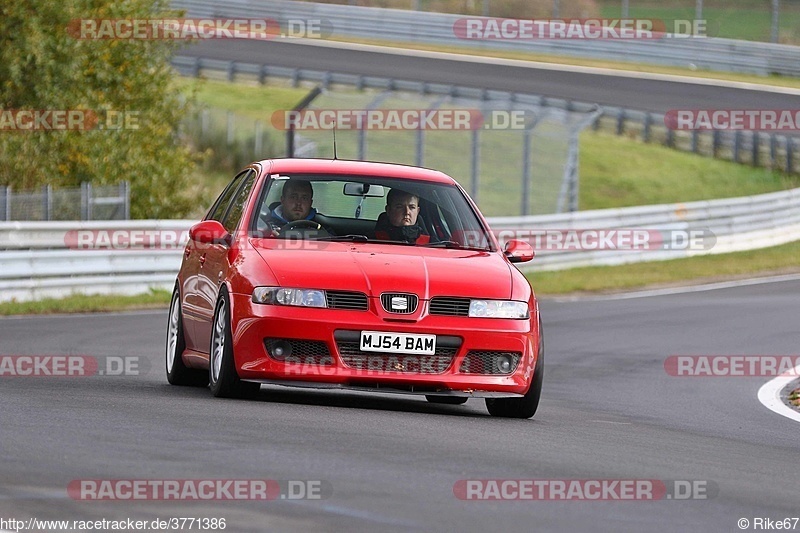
x=449, y=306
x=353, y=357
x=303, y=352
x=389, y=301
x=347, y=300
x=486, y=362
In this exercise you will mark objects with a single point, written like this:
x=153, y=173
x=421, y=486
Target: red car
x=391, y=282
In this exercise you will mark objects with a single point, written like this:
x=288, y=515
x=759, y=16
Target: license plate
x=409, y=343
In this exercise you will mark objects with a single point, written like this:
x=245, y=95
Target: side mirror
x=210, y=232
x=518, y=251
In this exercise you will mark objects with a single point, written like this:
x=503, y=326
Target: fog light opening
x=282, y=349
x=504, y=364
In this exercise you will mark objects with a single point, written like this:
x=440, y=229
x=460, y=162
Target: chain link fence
x=87, y=202
x=513, y=158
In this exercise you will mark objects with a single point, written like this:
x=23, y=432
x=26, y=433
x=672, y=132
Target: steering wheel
x=301, y=224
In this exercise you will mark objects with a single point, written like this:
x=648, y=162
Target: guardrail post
x=773, y=150
x=46, y=202
x=5, y=203
x=715, y=142
x=670, y=140
x=573, y=182
x=420, y=147
x=86, y=200
x=196, y=67
x=204, y=118
x=620, y=122
x=775, y=9
x=526, y=171
x=229, y=125
x=695, y=141
x=259, y=142
x=475, y=163
x=125, y=192
x=737, y=141
x=789, y=155
x=648, y=122
x=754, y=159
x=262, y=75
x=231, y=70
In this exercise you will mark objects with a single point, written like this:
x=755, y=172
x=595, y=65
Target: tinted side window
x=238, y=203
x=221, y=205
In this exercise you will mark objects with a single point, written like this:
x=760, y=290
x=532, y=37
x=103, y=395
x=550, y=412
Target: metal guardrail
x=36, y=260
x=438, y=28
x=87, y=202
x=770, y=150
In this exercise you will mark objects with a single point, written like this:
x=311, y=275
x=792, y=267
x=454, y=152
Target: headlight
x=284, y=296
x=498, y=309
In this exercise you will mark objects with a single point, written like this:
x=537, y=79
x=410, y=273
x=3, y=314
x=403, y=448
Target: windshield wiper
x=347, y=238
x=454, y=244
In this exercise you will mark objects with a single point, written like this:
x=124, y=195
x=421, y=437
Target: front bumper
x=443, y=374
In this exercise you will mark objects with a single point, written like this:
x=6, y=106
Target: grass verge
x=694, y=270
x=83, y=303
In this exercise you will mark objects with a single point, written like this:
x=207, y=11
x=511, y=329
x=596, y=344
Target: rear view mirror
x=364, y=189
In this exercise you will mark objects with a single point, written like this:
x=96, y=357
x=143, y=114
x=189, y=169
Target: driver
x=296, y=199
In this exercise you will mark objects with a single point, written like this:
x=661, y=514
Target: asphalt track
x=607, y=89
x=609, y=411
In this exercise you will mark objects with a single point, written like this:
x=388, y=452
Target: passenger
x=401, y=221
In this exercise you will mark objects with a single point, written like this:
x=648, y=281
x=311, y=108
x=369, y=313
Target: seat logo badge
x=399, y=303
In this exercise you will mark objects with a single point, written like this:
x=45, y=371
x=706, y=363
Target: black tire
x=526, y=406
x=447, y=400
x=177, y=371
x=222, y=376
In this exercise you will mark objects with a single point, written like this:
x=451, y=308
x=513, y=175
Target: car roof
x=354, y=168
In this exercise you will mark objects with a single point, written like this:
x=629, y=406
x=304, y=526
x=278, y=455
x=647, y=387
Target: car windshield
x=354, y=208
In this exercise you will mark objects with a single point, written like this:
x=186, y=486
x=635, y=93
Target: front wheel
x=526, y=406
x=177, y=371
x=222, y=376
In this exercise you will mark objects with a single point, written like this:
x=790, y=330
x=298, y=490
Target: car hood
x=377, y=268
